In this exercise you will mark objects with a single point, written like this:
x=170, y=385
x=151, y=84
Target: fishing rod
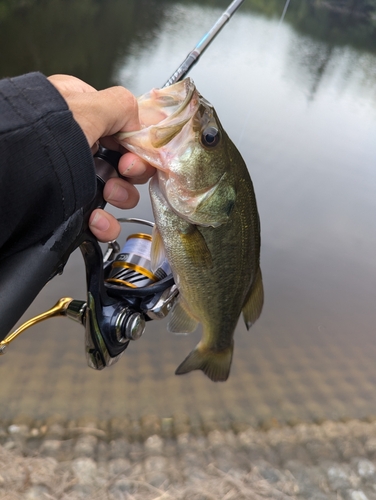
x=122, y=291
x=203, y=44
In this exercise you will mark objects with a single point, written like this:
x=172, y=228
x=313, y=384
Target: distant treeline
x=7, y=6
x=360, y=7
x=364, y=8
x=335, y=22
x=68, y=35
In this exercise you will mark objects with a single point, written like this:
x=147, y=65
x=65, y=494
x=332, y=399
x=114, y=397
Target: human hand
x=101, y=114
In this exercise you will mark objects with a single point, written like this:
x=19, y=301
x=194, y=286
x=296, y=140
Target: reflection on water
x=299, y=100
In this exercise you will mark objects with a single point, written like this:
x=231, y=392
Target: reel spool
x=132, y=266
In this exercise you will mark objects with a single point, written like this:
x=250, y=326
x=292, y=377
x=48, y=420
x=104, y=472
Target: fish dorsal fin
x=160, y=136
x=181, y=321
x=253, y=305
x=195, y=246
x=157, y=252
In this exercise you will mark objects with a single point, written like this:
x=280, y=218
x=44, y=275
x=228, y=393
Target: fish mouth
x=163, y=114
x=171, y=122
x=173, y=100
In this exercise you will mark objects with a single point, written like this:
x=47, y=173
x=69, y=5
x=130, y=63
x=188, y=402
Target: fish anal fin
x=195, y=246
x=181, y=321
x=215, y=364
x=157, y=252
x=253, y=305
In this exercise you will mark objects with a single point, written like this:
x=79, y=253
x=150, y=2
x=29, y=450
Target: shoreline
x=166, y=459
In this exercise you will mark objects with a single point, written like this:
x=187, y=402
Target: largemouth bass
x=206, y=221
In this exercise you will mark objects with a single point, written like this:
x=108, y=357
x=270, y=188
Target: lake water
x=298, y=98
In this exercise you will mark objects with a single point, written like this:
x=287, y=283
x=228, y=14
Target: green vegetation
x=335, y=22
x=83, y=38
x=89, y=37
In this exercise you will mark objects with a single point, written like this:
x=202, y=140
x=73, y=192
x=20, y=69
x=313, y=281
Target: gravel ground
x=170, y=458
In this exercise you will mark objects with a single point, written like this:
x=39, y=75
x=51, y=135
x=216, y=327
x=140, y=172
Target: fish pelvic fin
x=181, y=321
x=158, y=253
x=215, y=364
x=255, y=300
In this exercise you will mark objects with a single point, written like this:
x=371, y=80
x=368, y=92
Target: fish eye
x=210, y=137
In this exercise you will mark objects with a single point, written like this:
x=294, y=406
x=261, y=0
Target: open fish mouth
x=173, y=122
x=163, y=115
x=167, y=103
x=167, y=109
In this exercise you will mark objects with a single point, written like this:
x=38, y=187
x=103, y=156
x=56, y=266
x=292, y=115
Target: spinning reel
x=123, y=293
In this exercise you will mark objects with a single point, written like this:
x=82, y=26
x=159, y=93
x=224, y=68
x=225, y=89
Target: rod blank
x=205, y=41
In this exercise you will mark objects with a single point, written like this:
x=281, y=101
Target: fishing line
x=247, y=118
x=283, y=13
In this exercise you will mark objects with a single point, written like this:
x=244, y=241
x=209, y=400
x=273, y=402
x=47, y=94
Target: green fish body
x=206, y=221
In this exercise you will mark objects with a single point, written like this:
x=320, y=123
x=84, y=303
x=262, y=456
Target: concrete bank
x=171, y=459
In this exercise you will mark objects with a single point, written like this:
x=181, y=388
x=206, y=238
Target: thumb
x=105, y=112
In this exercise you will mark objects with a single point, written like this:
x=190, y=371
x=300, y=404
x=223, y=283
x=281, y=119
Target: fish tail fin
x=215, y=364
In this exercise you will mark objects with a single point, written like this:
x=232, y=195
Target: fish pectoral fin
x=215, y=364
x=181, y=321
x=253, y=305
x=157, y=251
x=195, y=246
x=216, y=206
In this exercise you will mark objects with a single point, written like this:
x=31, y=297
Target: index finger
x=105, y=112
x=120, y=107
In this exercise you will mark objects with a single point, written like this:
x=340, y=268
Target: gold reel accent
x=59, y=309
x=140, y=236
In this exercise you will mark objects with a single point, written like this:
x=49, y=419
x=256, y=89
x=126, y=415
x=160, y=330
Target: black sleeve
x=46, y=165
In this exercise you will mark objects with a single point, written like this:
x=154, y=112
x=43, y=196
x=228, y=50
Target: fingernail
x=100, y=222
x=118, y=194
